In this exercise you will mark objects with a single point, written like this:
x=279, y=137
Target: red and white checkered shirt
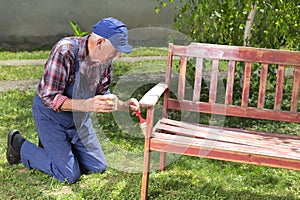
x=59, y=72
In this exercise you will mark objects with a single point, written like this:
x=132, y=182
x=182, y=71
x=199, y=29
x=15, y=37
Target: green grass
x=21, y=72
x=185, y=178
x=140, y=51
x=16, y=73
x=8, y=55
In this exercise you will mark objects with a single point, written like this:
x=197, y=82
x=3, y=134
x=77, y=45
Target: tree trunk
x=247, y=36
x=249, y=22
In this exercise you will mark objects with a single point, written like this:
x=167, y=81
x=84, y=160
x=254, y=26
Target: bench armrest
x=152, y=96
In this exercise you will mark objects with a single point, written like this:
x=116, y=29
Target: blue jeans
x=66, y=154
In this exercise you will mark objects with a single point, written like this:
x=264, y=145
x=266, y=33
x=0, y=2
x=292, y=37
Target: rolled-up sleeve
x=56, y=74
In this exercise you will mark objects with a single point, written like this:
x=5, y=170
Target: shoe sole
x=11, y=155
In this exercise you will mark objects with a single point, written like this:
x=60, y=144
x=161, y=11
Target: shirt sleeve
x=55, y=76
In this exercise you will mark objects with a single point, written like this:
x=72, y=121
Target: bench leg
x=145, y=178
x=146, y=164
x=162, y=161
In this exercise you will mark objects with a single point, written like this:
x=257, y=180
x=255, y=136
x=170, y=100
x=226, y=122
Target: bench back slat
x=214, y=81
x=295, y=93
x=247, y=57
x=262, y=86
x=230, y=82
x=182, y=77
x=246, y=88
x=279, y=87
x=198, y=79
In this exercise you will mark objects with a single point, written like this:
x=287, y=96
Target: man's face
x=103, y=54
x=99, y=59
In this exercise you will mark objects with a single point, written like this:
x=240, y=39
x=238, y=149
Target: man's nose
x=118, y=54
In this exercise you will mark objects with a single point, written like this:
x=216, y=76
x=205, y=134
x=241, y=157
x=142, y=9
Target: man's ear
x=100, y=40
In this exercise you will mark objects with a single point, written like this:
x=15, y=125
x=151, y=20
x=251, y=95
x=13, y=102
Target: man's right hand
x=102, y=103
x=99, y=103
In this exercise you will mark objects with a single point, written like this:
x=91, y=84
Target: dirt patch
x=20, y=85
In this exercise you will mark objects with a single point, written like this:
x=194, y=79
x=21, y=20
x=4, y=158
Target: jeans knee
x=100, y=167
x=72, y=177
x=67, y=174
x=96, y=168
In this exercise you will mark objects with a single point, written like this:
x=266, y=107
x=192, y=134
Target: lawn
x=122, y=141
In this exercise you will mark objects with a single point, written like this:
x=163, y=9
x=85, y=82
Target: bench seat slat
x=251, y=133
x=232, y=152
x=246, y=138
x=287, y=145
x=221, y=146
x=268, y=146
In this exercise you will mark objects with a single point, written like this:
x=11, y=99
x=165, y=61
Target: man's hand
x=99, y=103
x=103, y=103
x=133, y=105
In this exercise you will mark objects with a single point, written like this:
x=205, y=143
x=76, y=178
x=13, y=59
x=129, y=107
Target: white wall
x=41, y=20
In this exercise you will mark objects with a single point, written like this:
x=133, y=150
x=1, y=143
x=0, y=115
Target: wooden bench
x=218, y=142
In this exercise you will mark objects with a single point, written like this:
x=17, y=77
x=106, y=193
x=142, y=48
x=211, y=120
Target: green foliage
x=277, y=23
x=77, y=30
x=276, y=26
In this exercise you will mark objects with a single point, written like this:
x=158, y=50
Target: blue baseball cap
x=115, y=31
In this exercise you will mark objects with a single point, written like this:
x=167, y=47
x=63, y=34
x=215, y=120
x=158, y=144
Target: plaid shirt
x=59, y=72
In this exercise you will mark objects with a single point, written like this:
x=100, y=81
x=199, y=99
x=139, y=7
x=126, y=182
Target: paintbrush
x=142, y=121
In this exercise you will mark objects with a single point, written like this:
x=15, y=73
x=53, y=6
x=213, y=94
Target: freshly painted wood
x=230, y=82
x=246, y=85
x=214, y=81
x=198, y=79
x=279, y=87
x=262, y=86
x=228, y=144
x=295, y=94
x=182, y=75
x=152, y=96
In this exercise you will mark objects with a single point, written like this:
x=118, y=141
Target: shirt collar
x=83, y=49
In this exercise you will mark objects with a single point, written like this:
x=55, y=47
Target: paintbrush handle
x=142, y=120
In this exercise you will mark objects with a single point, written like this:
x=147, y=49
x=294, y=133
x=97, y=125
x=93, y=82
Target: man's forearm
x=74, y=105
x=99, y=103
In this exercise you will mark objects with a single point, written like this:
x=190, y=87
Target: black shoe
x=12, y=155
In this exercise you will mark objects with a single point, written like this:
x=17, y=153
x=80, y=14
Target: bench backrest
x=231, y=56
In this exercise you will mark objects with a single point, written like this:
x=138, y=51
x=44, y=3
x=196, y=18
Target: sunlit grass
x=186, y=178
x=21, y=72
x=137, y=52
x=122, y=141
